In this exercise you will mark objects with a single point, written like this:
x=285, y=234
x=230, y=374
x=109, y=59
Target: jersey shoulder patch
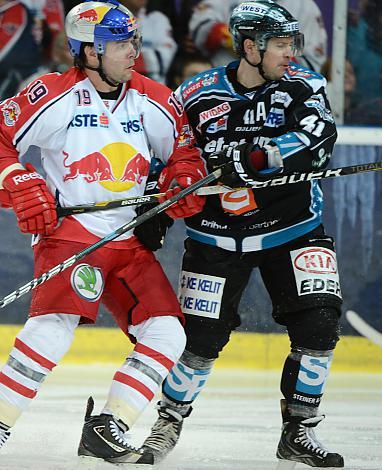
x=40, y=94
x=297, y=72
x=202, y=82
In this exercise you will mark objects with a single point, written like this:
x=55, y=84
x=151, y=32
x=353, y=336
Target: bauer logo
x=87, y=282
x=200, y=294
x=315, y=271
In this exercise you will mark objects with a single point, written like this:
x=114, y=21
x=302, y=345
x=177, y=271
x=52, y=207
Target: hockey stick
x=113, y=235
x=133, y=201
x=287, y=178
x=364, y=328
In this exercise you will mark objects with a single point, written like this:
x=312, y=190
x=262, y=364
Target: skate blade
x=130, y=466
x=86, y=462
x=286, y=465
x=290, y=465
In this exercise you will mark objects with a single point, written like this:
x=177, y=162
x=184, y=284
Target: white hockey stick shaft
x=366, y=330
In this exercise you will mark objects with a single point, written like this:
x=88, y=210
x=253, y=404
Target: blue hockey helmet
x=99, y=23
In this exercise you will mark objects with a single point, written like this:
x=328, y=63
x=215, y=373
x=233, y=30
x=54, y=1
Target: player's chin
x=277, y=74
x=125, y=76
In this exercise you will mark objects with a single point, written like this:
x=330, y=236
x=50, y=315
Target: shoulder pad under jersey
x=296, y=72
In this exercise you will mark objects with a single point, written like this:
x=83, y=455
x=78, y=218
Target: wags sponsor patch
x=200, y=294
x=315, y=270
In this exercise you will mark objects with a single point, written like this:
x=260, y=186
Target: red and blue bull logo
x=117, y=167
x=93, y=15
x=184, y=136
x=11, y=112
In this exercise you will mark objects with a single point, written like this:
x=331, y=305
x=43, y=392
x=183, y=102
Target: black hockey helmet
x=261, y=20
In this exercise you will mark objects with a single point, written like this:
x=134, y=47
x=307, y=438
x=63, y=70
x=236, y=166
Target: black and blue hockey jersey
x=292, y=113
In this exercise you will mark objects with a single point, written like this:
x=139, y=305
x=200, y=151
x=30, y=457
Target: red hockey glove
x=34, y=206
x=187, y=206
x=5, y=200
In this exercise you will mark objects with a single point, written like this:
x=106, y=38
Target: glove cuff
x=275, y=160
x=18, y=180
x=8, y=170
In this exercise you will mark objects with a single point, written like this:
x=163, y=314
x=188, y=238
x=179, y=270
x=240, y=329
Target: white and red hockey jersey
x=91, y=152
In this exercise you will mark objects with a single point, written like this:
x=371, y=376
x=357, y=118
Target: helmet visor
x=297, y=46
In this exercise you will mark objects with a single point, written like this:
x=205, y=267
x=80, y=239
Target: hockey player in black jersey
x=266, y=115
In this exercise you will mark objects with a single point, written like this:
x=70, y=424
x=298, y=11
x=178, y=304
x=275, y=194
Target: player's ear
x=249, y=46
x=90, y=52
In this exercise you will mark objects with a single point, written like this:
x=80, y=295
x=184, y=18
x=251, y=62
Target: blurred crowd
x=184, y=37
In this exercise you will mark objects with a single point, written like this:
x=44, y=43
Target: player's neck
x=249, y=76
x=99, y=84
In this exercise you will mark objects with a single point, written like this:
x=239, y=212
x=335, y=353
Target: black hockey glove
x=152, y=232
x=248, y=163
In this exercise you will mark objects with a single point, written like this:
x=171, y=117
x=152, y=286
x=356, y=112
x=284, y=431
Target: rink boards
x=245, y=350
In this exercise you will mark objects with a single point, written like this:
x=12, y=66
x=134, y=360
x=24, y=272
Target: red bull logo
x=93, y=15
x=132, y=24
x=117, y=167
x=11, y=113
x=184, y=136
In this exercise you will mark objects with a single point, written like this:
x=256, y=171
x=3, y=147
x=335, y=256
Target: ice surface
x=235, y=423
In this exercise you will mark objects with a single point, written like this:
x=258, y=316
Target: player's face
x=277, y=57
x=118, y=60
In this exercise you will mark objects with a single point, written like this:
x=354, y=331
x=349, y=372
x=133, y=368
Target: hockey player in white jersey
x=209, y=30
x=263, y=114
x=96, y=125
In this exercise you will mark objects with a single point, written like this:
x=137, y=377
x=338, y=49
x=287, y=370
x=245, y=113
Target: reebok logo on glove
x=22, y=178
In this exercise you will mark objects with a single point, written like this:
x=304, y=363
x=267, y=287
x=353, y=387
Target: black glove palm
x=152, y=232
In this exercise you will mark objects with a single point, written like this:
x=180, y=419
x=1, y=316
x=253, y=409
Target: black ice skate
x=4, y=434
x=103, y=438
x=165, y=432
x=298, y=443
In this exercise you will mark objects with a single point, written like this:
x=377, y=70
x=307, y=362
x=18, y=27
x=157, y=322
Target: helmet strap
x=101, y=72
x=258, y=66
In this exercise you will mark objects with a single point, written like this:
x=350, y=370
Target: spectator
x=27, y=31
x=159, y=46
x=185, y=66
x=20, y=54
x=61, y=60
x=209, y=30
x=364, y=50
x=179, y=13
